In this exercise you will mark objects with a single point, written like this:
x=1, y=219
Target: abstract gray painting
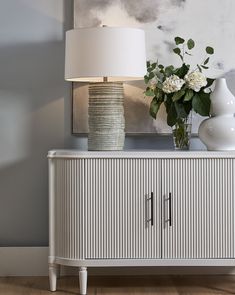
x=208, y=22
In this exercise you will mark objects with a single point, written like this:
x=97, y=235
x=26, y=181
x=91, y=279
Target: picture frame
x=161, y=22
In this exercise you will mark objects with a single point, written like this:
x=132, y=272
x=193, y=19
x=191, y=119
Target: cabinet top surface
x=162, y=154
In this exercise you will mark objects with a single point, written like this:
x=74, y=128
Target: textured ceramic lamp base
x=106, y=117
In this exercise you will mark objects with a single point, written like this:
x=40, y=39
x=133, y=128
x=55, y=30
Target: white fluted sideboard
x=140, y=208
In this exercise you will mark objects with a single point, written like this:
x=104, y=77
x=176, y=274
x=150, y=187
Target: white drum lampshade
x=105, y=56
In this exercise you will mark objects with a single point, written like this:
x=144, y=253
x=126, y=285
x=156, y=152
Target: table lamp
x=105, y=57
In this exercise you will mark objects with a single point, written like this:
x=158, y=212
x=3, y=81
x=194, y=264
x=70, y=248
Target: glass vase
x=182, y=133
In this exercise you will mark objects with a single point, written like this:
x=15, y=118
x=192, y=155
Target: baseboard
x=32, y=261
x=23, y=261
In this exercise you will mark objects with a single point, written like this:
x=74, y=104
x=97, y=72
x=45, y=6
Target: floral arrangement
x=180, y=89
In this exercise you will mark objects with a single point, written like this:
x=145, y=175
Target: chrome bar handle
x=151, y=208
x=170, y=210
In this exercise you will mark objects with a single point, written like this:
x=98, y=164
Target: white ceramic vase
x=218, y=132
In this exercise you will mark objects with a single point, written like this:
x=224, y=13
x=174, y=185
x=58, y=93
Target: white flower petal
x=195, y=80
x=172, y=84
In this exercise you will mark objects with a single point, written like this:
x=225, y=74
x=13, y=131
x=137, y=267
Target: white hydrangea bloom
x=172, y=84
x=195, y=80
x=152, y=84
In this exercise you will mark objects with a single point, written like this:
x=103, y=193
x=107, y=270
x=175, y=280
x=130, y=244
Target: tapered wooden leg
x=53, y=269
x=83, y=280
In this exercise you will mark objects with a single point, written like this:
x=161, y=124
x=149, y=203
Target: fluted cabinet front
x=143, y=208
x=201, y=193
x=118, y=219
x=107, y=208
x=140, y=209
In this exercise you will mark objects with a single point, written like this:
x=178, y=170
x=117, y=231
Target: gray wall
x=35, y=114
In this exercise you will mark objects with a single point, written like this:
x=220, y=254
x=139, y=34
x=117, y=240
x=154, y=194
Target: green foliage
x=182, y=71
x=177, y=95
x=180, y=102
x=178, y=52
x=201, y=103
x=206, y=61
x=199, y=68
x=209, y=50
x=154, y=107
x=188, y=95
x=180, y=110
x=179, y=40
x=149, y=92
x=171, y=115
x=146, y=79
x=190, y=44
x=151, y=75
x=209, y=82
x=169, y=71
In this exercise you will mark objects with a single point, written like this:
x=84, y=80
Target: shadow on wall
x=230, y=78
x=32, y=92
x=35, y=68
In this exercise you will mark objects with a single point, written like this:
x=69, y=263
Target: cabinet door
x=118, y=208
x=202, y=208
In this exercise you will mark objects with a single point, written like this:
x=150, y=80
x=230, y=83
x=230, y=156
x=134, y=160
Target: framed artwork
x=162, y=20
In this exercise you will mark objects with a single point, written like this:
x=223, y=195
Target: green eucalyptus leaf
x=206, y=61
x=161, y=67
x=199, y=68
x=154, y=107
x=209, y=82
x=201, y=103
x=204, y=67
x=177, y=95
x=148, y=63
x=151, y=75
x=177, y=50
x=154, y=65
x=182, y=71
x=179, y=40
x=209, y=50
x=190, y=44
x=188, y=53
x=149, y=92
x=169, y=70
x=188, y=95
x=146, y=79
